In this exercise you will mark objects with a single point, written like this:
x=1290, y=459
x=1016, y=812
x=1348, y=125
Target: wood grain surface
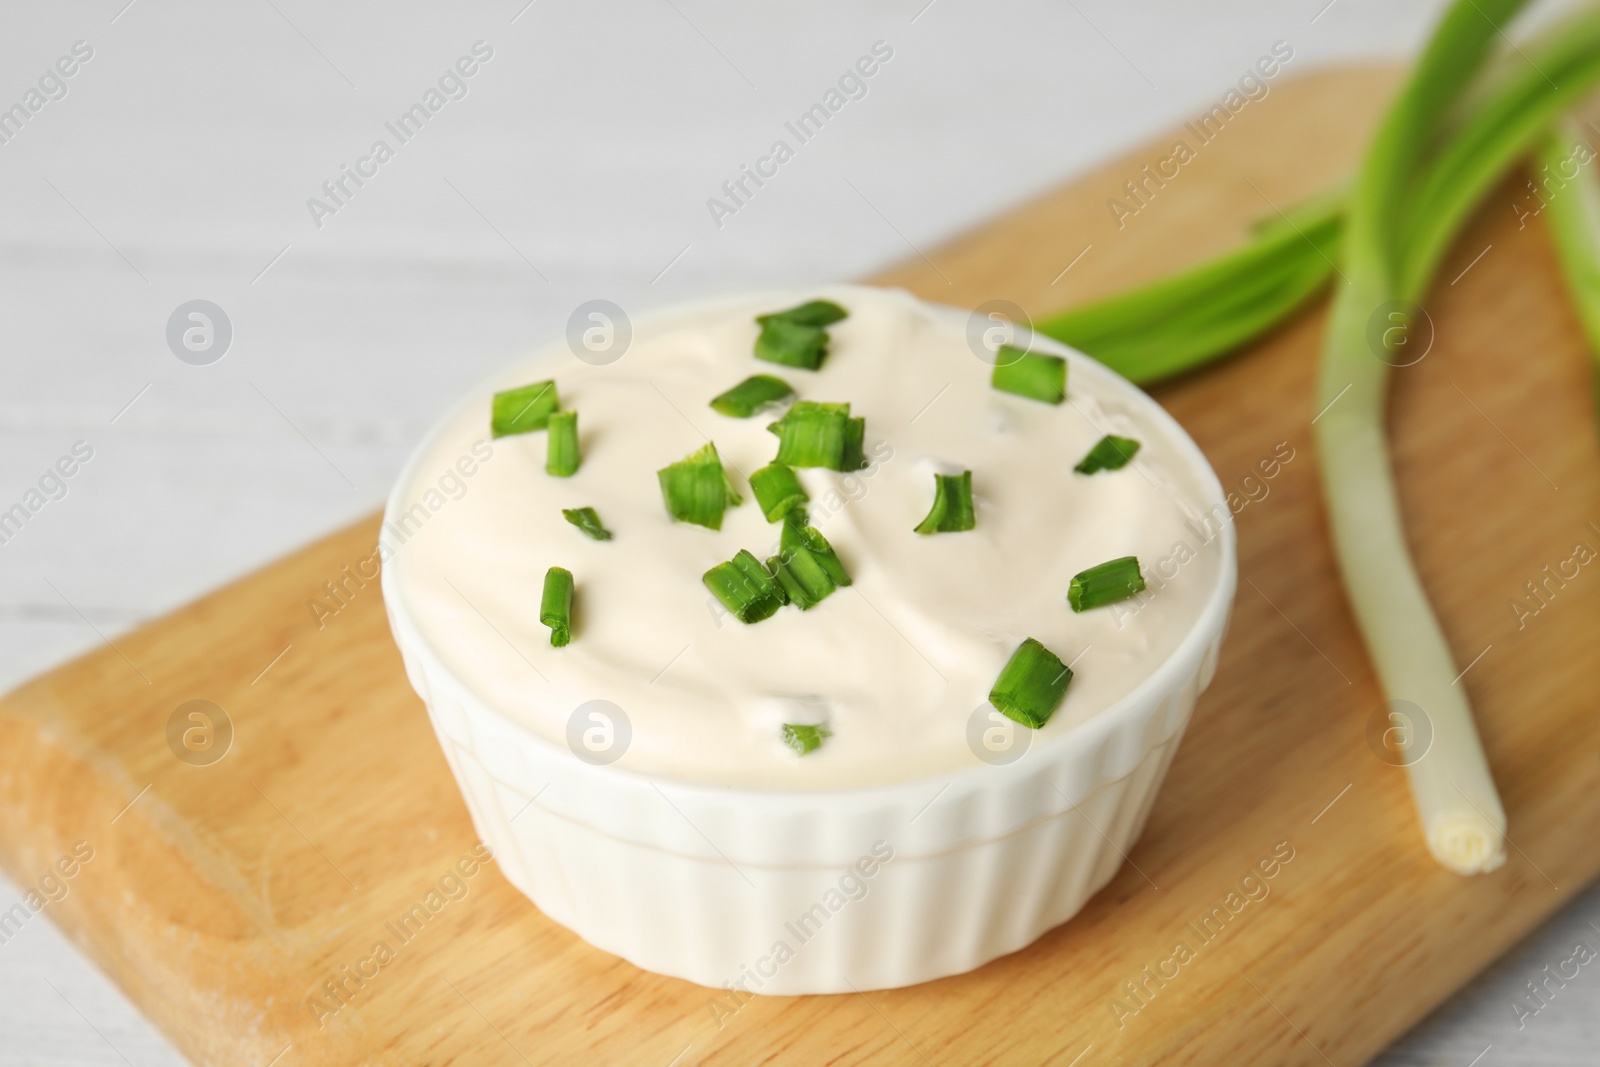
x=224, y=897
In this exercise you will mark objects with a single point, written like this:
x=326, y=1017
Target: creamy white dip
x=895, y=664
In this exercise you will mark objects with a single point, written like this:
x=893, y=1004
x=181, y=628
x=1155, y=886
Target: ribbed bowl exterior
x=822, y=892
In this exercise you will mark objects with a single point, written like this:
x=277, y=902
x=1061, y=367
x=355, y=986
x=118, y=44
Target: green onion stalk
x=1406, y=209
x=1187, y=320
x=1574, y=220
x=1457, y=127
x=1191, y=318
x=1462, y=818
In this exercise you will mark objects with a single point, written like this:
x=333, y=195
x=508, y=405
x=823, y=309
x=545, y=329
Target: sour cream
x=897, y=665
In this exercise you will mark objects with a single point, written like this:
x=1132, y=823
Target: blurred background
x=576, y=162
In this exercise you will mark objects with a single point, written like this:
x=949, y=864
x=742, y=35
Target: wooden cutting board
x=221, y=897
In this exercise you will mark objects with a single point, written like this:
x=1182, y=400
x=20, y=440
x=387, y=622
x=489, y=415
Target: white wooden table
x=178, y=164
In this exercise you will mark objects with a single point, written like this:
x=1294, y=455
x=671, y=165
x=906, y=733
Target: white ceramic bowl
x=790, y=892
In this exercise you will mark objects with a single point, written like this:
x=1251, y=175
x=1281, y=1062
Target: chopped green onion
x=555, y=607
x=804, y=739
x=811, y=313
x=854, y=456
x=792, y=344
x=587, y=520
x=1114, y=580
x=798, y=536
x=805, y=581
x=1031, y=685
x=751, y=395
x=745, y=588
x=523, y=410
x=806, y=565
x=1110, y=453
x=777, y=490
x=561, y=455
x=814, y=434
x=696, y=489
x=798, y=337
x=1030, y=374
x=952, y=505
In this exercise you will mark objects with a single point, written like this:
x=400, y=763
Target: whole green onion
x=1446, y=142
x=1409, y=201
x=1189, y=319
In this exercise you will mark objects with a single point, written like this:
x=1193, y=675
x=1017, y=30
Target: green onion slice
x=523, y=410
x=815, y=434
x=1030, y=374
x=561, y=455
x=804, y=739
x=811, y=313
x=798, y=337
x=1031, y=685
x=696, y=489
x=798, y=535
x=1114, y=580
x=1110, y=453
x=792, y=344
x=555, y=606
x=806, y=565
x=587, y=520
x=777, y=490
x=745, y=588
x=803, y=579
x=751, y=395
x=854, y=456
x=952, y=505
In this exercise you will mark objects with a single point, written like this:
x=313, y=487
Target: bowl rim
x=1133, y=708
